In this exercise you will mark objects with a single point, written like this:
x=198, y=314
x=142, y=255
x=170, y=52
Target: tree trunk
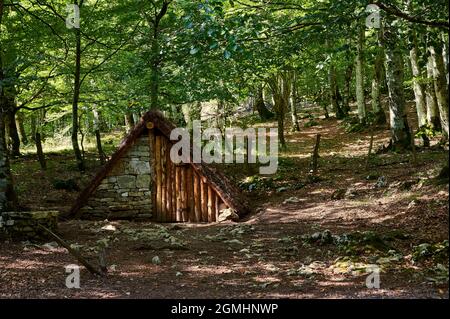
x=33, y=124
x=129, y=121
x=445, y=54
x=13, y=133
x=40, y=152
x=377, y=109
x=280, y=119
x=261, y=107
x=155, y=61
x=400, y=133
x=8, y=198
x=76, y=97
x=294, y=116
x=98, y=138
x=440, y=85
x=431, y=100
x=360, y=95
x=418, y=87
x=347, y=90
x=281, y=90
x=432, y=104
x=21, y=127
x=334, y=92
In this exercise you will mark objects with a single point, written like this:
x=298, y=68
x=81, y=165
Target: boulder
x=228, y=214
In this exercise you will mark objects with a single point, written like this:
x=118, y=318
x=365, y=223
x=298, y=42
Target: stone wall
x=24, y=225
x=125, y=192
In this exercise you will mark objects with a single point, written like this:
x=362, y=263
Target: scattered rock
x=228, y=214
x=234, y=241
x=338, y=194
x=351, y=193
x=412, y=204
x=291, y=200
x=403, y=185
x=156, y=260
x=109, y=228
x=50, y=246
x=282, y=189
x=381, y=182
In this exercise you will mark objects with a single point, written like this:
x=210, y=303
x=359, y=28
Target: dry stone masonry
x=125, y=193
x=25, y=225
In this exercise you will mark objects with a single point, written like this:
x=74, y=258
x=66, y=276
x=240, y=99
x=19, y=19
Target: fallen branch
x=73, y=252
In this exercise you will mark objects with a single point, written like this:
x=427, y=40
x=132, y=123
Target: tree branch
x=398, y=13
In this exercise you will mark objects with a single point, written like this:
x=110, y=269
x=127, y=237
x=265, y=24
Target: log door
x=179, y=193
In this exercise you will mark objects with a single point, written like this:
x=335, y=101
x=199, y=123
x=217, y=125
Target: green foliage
x=351, y=244
x=69, y=185
x=257, y=182
x=437, y=251
x=426, y=130
x=311, y=123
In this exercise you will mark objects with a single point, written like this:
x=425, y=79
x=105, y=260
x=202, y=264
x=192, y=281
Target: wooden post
x=217, y=208
x=178, y=194
x=369, y=154
x=211, y=205
x=183, y=195
x=190, y=194
x=163, y=180
x=158, y=177
x=174, y=191
x=151, y=138
x=204, y=200
x=315, y=156
x=197, y=198
x=169, y=217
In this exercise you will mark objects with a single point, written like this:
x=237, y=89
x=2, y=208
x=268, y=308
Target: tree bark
x=33, y=124
x=129, y=121
x=377, y=109
x=40, y=152
x=75, y=101
x=360, y=95
x=418, y=86
x=334, y=92
x=294, y=116
x=347, y=90
x=440, y=85
x=98, y=138
x=260, y=105
x=281, y=90
x=13, y=132
x=21, y=127
x=431, y=100
x=8, y=197
x=155, y=59
x=400, y=133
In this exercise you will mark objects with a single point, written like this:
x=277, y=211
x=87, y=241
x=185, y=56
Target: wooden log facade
x=194, y=193
x=180, y=194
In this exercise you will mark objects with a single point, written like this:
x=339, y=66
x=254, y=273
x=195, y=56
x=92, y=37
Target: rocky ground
x=306, y=238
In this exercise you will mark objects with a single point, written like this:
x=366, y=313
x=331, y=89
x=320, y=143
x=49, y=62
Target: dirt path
x=312, y=246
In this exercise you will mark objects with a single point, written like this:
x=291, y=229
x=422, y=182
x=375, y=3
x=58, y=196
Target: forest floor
x=304, y=240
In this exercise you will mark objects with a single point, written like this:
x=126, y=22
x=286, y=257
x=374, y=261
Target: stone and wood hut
x=141, y=182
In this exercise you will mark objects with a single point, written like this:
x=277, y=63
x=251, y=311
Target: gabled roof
x=228, y=192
